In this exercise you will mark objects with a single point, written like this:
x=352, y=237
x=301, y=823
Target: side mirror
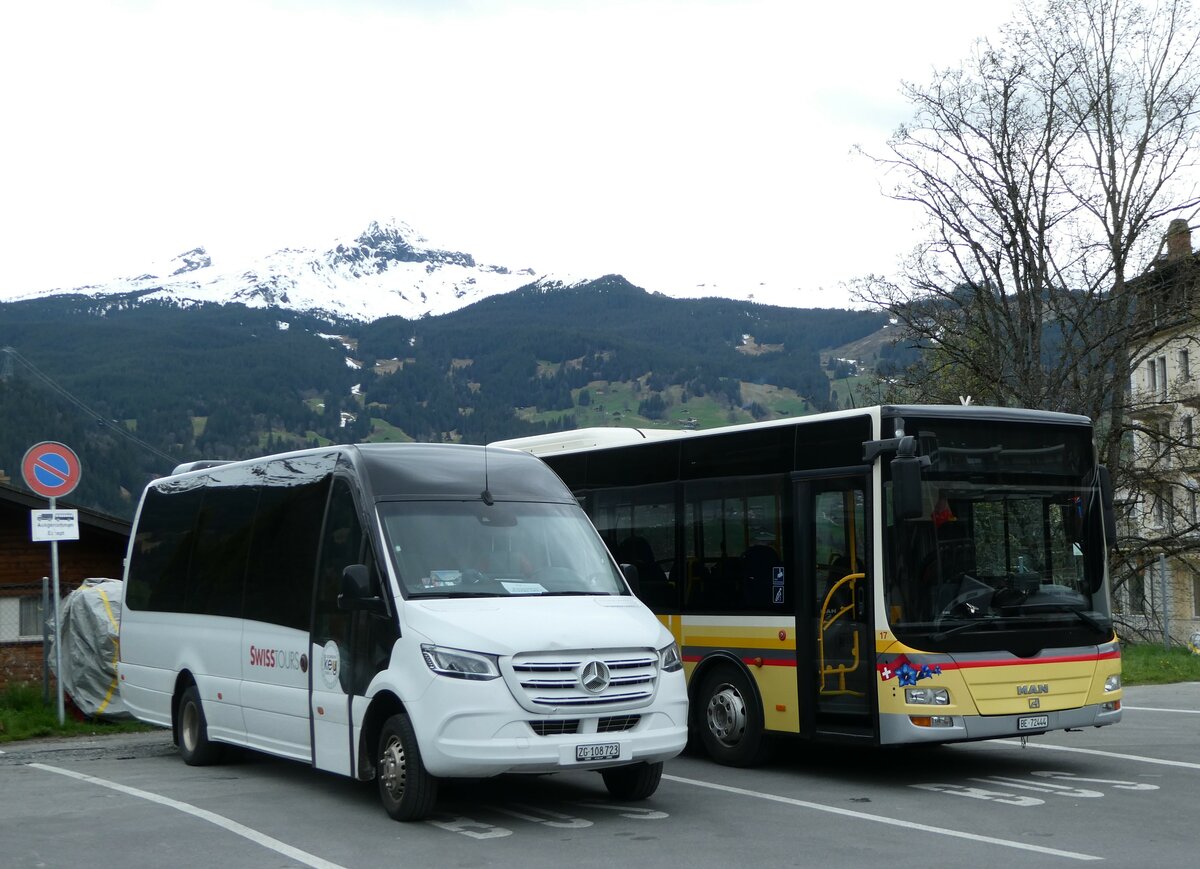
x=1104, y=478
x=907, y=498
x=356, y=591
x=631, y=576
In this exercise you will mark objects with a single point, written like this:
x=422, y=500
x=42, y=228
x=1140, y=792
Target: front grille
x=617, y=723
x=544, y=682
x=555, y=728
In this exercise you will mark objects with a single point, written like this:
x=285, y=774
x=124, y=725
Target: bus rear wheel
x=406, y=789
x=194, y=745
x=729, y=720
x=634, y=782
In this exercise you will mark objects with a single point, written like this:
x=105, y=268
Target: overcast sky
x=673, y=142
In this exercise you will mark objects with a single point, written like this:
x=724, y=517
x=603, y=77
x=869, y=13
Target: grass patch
x=1151, y=664
x=23, y=716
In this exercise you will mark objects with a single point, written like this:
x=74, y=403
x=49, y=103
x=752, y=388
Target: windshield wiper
x=432, y=595
x=958, y=629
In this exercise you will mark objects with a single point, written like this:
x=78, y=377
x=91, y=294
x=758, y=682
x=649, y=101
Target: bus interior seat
x=653, y=586
x=758, y=569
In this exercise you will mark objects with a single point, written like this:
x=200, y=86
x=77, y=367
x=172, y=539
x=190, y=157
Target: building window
x=1186, y=432
x=1162, y=378
x=1151, y=376
x=1192, y=506
x=1157, y=511
x=1135, y=592
x=31, y=617
x=1195, y=594
x=1185, y=372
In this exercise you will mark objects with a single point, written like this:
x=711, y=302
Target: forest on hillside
x=137, y=387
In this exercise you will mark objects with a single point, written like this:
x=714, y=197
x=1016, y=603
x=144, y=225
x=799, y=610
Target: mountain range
x=387, y=270
x=385, y=337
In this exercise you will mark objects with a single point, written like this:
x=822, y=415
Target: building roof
x=92, y=518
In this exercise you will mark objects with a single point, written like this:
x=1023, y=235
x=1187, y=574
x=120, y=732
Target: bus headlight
x=459, y=664
x=1113, y=682
x=669, y=658
x=927, y=696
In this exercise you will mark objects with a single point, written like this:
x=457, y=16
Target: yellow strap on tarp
x=116, y=651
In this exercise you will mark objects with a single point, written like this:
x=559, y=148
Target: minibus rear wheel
x=634, y=782
x=408, y=792
x=194, y=745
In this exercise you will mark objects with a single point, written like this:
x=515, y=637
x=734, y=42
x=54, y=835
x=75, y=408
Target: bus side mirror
x=908, y=500
x=356, y=591
x=1107, y=506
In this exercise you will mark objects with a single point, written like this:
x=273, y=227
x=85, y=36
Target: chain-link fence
x=24, y=633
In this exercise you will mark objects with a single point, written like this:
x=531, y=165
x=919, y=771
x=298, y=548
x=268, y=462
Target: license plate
x=602, y=751
x=1033, y=722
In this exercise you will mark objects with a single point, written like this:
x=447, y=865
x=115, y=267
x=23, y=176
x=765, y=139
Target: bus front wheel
x=408, y=792
x=194, y=745
x=729, y=720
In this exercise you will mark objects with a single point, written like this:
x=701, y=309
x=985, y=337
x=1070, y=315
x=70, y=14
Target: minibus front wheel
x=634, y=782
x=408, y=792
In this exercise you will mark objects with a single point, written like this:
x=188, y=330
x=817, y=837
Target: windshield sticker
x=523, y=587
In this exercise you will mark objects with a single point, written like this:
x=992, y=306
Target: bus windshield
x=471, y=549
x=1010, y=551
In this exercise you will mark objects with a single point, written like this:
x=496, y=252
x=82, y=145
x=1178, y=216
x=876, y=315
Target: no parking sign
x=51, y=469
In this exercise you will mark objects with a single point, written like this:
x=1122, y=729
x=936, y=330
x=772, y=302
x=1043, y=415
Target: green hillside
x=136, y=388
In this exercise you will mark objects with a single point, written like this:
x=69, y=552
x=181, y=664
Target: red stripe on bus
x=1062, y=659
x=753, y=662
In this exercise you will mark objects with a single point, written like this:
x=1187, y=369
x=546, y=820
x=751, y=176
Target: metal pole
x=57, y=627
x=45, y=642
x=1166, y=604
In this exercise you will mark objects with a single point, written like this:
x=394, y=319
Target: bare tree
x=1045, y=166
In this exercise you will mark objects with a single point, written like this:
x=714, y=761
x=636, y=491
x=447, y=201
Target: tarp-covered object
x=90, y=618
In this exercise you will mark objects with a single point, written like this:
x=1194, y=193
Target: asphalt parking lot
x=1123, y=795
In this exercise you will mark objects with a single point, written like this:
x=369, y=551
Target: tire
x=408, y=792
x=729, y=718
x=194, y=745
x=634, y=782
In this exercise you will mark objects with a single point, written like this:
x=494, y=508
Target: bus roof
x=584, y=439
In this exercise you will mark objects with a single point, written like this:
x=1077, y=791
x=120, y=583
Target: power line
x=10, y=353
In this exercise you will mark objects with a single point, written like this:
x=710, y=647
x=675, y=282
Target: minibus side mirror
x=908, y=500
x=631, y=576
x=356, y=591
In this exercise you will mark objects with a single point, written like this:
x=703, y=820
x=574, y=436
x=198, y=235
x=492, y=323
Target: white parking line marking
x=203, y=814
x=1157, y=709
x=1158, y=760
x=881, y=819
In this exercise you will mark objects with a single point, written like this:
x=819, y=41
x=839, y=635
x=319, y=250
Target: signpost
x=52, y=470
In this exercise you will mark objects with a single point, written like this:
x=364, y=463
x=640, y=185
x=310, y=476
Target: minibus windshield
x=472, y=549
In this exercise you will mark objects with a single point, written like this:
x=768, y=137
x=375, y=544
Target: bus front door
x=835, y=552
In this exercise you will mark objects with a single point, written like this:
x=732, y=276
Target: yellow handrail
x=827, y=621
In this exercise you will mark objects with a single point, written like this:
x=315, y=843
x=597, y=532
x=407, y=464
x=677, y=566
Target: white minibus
x=397, y=612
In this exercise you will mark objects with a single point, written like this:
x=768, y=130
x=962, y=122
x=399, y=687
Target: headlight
x=458, y=664
x=669, y=658
x=927, y=696
x=1113, y=682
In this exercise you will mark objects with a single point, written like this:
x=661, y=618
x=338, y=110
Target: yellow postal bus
x=889, y=575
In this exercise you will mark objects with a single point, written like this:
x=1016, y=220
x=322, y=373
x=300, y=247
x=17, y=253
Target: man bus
x=883, y=576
